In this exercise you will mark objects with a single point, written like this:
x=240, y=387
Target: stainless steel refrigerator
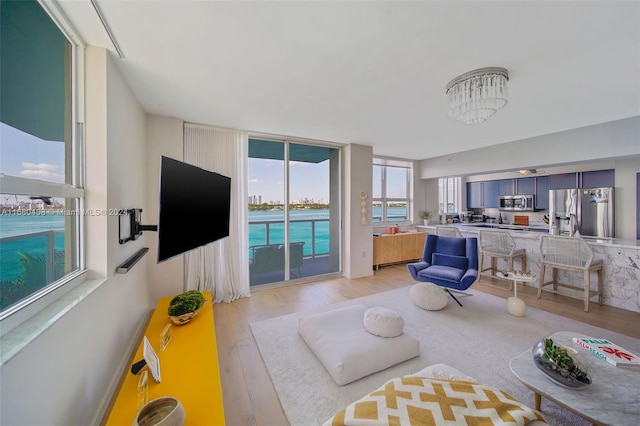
x=589, y=211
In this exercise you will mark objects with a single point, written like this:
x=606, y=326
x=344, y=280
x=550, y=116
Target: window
x=294, y=197
x=41, y=190
x=450, y=195
x=391, y=190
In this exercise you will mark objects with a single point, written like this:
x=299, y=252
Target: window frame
x=386, y=163
x=443, y=194
x=45, y=297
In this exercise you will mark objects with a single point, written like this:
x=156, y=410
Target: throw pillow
x=383, y=322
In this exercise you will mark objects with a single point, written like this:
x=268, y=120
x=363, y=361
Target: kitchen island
x=621, y=284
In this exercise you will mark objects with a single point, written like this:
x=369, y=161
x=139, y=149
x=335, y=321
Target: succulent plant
x=559, y=359
x=185, y=303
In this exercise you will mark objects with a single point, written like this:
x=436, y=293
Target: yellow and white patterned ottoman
x=347, y=350
x=417, y=400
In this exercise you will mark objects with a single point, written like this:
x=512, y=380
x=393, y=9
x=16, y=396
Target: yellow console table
x=188, y=367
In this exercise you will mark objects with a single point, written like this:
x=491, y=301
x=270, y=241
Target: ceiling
x=373, y=73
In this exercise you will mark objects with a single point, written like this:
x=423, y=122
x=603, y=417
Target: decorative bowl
x=183, y=319
x=164, y=411
x=559, y=366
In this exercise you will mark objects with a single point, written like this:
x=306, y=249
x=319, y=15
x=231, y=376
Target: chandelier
x=478, y=94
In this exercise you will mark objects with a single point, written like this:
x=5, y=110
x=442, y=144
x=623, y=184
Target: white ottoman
x=348, y=351
x=383, y=322
x=429, y=296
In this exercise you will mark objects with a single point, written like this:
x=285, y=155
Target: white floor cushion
x=383, y=322
x=428, y=296
x=348, y=351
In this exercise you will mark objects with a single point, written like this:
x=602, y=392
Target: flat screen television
x=194, y=207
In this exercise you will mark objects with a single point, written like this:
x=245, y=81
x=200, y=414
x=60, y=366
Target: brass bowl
x=183, y=319
x=164, y=411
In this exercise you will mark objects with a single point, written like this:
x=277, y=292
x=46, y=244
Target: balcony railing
x=49, y=247
x=273, y=235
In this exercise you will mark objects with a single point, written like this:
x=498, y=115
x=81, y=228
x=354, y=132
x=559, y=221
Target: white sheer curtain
x=221, y=267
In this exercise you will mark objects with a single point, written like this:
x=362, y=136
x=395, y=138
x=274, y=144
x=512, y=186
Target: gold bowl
x=183, y=319
x=164, y=411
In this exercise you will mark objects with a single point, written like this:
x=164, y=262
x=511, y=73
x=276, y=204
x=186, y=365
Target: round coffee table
x=612, y=398
x=515, y=305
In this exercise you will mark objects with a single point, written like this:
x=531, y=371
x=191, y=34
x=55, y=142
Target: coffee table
x=612, y=397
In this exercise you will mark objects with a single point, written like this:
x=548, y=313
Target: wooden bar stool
x=499, y=244
x=570, y=254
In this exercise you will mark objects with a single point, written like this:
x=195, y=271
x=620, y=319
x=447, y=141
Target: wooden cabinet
x=395, y=248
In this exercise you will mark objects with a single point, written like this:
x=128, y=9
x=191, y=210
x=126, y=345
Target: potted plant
x=426, y=215
x=184, y=307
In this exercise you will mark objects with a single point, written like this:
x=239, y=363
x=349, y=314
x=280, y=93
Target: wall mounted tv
x=194, y=207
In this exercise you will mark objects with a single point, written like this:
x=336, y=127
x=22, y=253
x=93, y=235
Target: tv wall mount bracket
x=134, y=226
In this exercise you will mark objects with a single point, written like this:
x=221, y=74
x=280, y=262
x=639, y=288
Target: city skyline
x=307, y=180
x=258, y=199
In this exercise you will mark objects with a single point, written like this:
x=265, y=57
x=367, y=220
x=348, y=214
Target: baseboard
x=110, y=396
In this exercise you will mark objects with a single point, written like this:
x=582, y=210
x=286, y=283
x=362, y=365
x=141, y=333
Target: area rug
x=478, y=339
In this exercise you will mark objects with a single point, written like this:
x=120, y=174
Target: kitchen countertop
x=534, y=232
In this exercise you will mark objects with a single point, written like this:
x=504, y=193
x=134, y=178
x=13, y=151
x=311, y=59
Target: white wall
x=164, y=137
x=66, y=376
x=613, y=140
x=358, y=238
x=614, y=145
x=426, y=197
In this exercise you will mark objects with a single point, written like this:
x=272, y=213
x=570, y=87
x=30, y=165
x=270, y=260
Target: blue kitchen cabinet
x=490, y=194
x=525, y=186
x=599, y=179
x=563, y=181
x=474, y=195
x=505, y=187
x=542, y=192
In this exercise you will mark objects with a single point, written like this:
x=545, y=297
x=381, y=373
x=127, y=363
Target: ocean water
x=304, y=224
x=13, y=225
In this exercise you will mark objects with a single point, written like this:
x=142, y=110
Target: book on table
x=609, y=352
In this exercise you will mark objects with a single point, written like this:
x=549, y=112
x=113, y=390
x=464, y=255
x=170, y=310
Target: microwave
x=517, y=202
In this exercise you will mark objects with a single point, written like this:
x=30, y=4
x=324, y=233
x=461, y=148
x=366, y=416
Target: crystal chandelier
x=478, y=94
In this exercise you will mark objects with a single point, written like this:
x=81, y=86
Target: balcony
x=309, y=252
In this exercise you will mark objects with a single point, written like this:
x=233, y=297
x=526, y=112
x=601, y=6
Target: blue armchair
x=449, y=262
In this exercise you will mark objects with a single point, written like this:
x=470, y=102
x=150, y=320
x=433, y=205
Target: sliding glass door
x=294, y=230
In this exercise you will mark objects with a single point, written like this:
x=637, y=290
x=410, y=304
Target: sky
x=308, y=180
x=24, y=155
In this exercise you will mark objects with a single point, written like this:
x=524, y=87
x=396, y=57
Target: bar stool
x=570, y=254
x=448, y=231
x=499, y=244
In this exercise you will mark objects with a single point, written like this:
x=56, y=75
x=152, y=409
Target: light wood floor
x=249, y=396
